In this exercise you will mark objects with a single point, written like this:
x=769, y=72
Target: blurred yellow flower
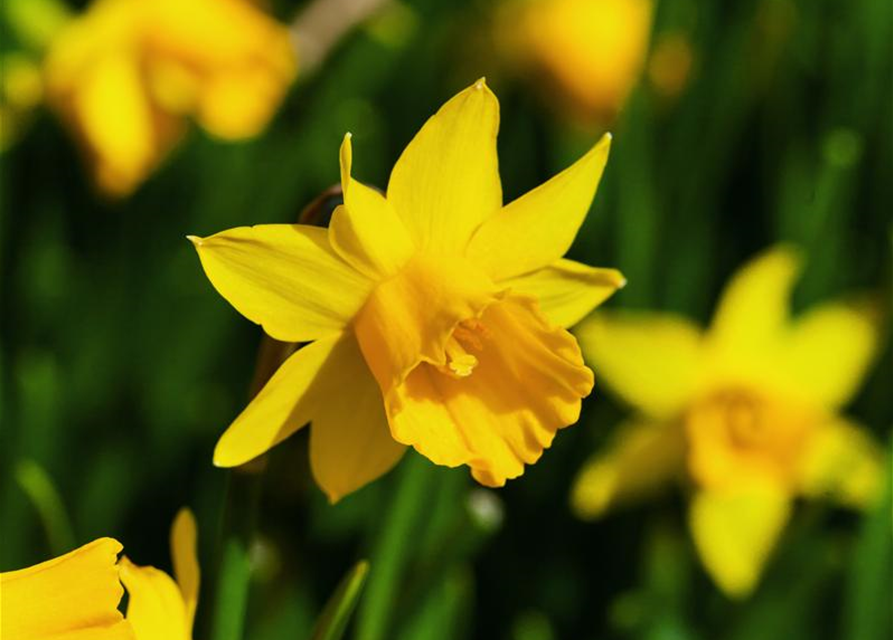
x=159, y=608
x=435, y=314
x=748, y=411
x=590, y=53
x=126, y=73
x=72, y=596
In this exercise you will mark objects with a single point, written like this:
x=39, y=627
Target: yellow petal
x=350, y=443
x=735, y=532
x=844, y=463
x=366, y=232
x=155, y=607
x=538, y=228
x=116, y=121
x=568, y=291
x=753, y=312
x=651, y=360
x=284, y=277
x=828, y=351
x=446, y=182
x=184, y=537
x=283, y=406
x=239, y=104
x=73, y=596
x=642, y=458
x=410, y=318
x=527, y=383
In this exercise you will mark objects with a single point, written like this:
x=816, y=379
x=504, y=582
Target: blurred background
x=737, y=125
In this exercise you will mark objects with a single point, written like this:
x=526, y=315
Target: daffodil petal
x=651, y=360
x=538, y=228
x=827, y=351
x=284, y=277
x=155, y=607
x=735, y=532
x=528, y=383
x=842, y=462
x=184, y=540
x=350, y=443
x=73, y=596
x=568, y=291
x=283, y=406
x=446, y=182
x=640, y=461
x=116, y=120
x=366, y=232
x=753, y=312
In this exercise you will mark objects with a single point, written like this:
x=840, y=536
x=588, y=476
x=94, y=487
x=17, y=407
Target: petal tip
x=195, y=240
x=481, y=83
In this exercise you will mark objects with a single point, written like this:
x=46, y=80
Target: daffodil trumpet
x=436, y=317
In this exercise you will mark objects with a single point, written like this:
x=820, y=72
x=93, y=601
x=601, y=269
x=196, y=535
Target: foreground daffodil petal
x=651, y=360
x=446, y=182
x=74, y=596
x=184, y=552
x=754, y=309
x=568, y=291
x=366, y=232
x=843, y=463
x=735, y=532
x=283, y=406
x=350, y=442
x=538, y=228
x=643, y=458
x=155, y=607
x=284, y=277
x=528, y=382
x=828, y=351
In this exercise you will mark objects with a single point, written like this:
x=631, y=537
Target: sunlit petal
x=568, y=291
x=284, y=277
x=538, y=228
x=446, y=182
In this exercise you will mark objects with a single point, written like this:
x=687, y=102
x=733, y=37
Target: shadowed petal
x=184, y=539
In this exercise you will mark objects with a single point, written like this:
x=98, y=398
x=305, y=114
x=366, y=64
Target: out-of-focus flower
x=21, y=90
x=159, y=608
x=435, y=314
x=72, y=596
x=748, y=411
x=670, y=65
x=588, y=53
x=126, y=73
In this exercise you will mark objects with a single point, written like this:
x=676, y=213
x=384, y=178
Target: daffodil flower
x=159, y=608
x=74, y=596
x=434, y=315
x=126, y=73
x=587, y=53
x=746, y=412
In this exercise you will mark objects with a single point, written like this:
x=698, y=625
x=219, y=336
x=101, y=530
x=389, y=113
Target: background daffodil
x=126, y=73
x=159, y=608
x=435, y=314
x=747, y=411
x=73, y=596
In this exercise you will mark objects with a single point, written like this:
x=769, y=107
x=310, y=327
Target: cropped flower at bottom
x=74, y=597
x=435, y=315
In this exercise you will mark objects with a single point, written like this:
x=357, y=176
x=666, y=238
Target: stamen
x=467, y=336
x=459, y=361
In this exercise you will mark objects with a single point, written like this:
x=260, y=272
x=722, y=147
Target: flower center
x=468, y=336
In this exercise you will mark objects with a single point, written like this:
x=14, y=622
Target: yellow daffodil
x=126, y=73
x=590, y=53
x=747, y=411
x=72, y=597
x=434, y=314
x=159, y=608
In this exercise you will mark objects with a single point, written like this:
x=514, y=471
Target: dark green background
x=121, y=365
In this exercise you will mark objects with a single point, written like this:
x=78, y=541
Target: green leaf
x=39, y=487
x=336, y=614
